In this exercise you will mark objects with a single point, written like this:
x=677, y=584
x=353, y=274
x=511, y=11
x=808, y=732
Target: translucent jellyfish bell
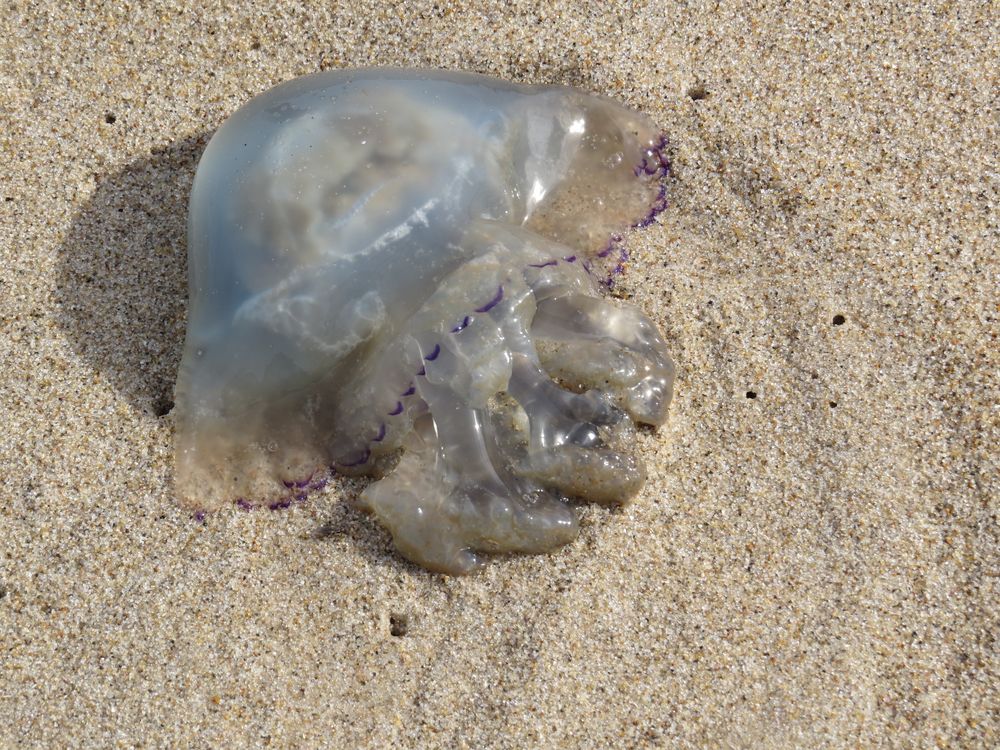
x=398, y=273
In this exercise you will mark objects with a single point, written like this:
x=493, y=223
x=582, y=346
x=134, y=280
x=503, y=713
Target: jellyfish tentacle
x=569, y=439
x=449, y=496
x=588, y=342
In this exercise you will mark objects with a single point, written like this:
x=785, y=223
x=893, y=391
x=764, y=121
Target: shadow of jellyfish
x=121, y=290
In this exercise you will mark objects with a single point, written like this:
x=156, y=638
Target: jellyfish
x=403, y=274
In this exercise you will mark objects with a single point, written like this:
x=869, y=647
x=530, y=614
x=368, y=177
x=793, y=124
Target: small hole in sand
x=162, y=407
x=109, y=118
x=398, y=625
x=697, y=92
x=751, y=394
x=833, y=404
x=255, y=44
x=838, y=320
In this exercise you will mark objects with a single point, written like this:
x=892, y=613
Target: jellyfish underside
x=399, y=274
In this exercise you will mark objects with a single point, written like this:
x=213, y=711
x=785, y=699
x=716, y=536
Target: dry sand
x=814, y=561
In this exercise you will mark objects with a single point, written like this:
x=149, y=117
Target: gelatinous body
x=398, y=273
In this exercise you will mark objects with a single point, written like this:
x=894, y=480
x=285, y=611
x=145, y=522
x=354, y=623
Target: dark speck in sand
x=398, y=625
x=697, y=92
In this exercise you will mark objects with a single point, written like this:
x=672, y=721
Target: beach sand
x=814, y=559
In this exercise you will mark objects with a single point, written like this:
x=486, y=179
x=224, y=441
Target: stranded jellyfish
x=399, y=274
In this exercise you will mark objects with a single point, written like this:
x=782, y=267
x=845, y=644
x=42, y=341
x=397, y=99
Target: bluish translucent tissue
x=398, y=273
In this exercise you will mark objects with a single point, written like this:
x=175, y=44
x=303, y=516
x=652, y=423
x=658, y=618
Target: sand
x=814, y=561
